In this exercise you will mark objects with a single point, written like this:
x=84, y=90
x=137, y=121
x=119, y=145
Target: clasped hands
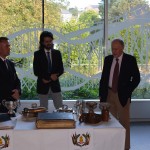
x=53, y=77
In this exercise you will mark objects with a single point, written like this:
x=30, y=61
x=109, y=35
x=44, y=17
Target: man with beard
x=48, y=67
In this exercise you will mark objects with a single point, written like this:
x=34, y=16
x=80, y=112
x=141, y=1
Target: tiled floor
x=140, y=136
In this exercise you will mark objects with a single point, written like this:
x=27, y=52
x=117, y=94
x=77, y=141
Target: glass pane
x=78, y=33
x=130, y=21
x=83, y=51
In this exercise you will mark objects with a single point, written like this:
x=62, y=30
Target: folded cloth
x=4, y=117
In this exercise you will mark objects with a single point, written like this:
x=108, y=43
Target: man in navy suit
x=10, y=87
x=120, y=76
x=48, y=67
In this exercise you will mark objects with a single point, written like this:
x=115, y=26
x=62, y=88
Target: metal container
x=79, y=107
x=31, y=113
x=64, y=108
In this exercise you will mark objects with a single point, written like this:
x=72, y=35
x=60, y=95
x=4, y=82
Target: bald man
x=120, y=76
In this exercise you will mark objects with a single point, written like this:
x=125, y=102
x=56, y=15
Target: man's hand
x=15, y=94
x=54, y=77
x=46, y=81
x=100, y=100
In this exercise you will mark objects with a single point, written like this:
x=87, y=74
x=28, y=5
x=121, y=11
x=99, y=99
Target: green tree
x=28, y=12
x=89, y=17
x=119, y=7
x=74, y=11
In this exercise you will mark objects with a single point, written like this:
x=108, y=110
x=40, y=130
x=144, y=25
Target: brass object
x=90, y=117
x=55, y=120
x=91, y=106
x=32, y=113
x=34, y=110
x=104, y=106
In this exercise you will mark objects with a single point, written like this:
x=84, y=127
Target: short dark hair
x=42, y=36
x=3, y=39
x=118, y=40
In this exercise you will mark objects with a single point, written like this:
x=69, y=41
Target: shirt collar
x=2, y=58
x=47, y=50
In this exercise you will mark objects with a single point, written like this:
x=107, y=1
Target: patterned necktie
x=49, y=62
x=115, y=77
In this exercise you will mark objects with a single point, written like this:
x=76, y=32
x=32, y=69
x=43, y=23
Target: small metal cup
x=10, y=105
x=80, y=107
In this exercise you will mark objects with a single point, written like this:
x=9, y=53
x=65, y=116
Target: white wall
x=140, y=110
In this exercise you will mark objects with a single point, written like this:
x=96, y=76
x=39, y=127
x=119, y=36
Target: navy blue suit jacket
x=8, y=81
x=40, y=68
x=129, y=78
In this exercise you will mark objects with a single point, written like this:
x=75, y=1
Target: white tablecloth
x=103, y=136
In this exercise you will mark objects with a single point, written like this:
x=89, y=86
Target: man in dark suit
x=10, y=87
x=48, y=67
x=120, y=76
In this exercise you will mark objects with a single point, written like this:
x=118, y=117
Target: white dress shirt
x=113, y=67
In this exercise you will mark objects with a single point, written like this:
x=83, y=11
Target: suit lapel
x=5, y=72
x=110, y=63
x=44, y=57
x=10, y=71
x=52, y=56
x=122, y=65
x=3, y=67
x=43, y=54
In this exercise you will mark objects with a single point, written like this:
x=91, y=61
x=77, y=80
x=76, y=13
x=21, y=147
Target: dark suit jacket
x=8, y=81
x=40, y=68
x=129, y=78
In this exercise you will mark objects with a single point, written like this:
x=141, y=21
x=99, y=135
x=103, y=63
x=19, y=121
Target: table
x=103, y=136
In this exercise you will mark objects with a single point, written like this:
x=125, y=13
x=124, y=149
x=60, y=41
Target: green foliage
x=74, y=11
x=75, y=52
x=118, y=7
x=89, y=17
x=82, y=93
x=27, y=12
x=29, y=94
x=141, y=93
x=136, y=40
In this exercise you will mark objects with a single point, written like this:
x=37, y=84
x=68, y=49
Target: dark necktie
x=115, y=77
x=49, y=62
x=6, y=63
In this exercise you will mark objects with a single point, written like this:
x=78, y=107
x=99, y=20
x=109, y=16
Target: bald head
x=4, y=47
x=117, y=47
